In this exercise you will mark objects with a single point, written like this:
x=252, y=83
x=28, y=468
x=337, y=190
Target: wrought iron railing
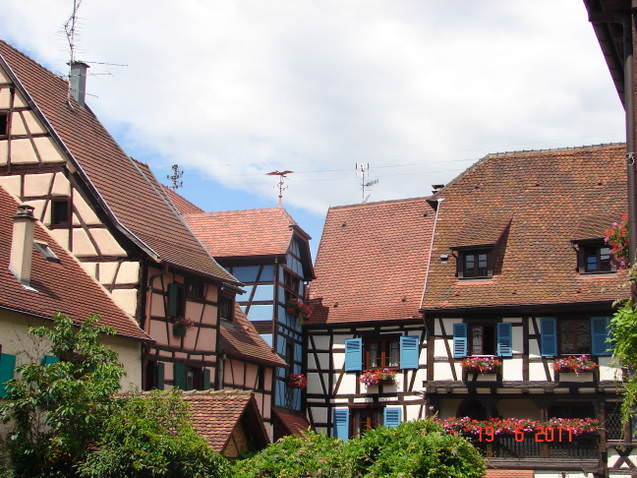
x=506, y=446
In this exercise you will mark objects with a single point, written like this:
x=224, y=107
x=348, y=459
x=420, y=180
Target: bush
x=413, y=449
x=152, y=436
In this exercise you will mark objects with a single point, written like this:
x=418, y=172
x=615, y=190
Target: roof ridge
x=556, y=149
x=377, y=203
x=229, y=211
x=58, y=76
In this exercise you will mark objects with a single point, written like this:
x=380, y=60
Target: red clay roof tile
x=295, y=424
x=59, y=287
x=181, y=203
x=131, y=196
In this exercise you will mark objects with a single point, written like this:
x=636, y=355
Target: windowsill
x=599, y=274
x=469, y=280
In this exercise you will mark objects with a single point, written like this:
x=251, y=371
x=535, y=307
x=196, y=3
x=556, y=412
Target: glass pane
x=373, y=354
x=469, y=261
x=477, y=332
x=482, y=261
x=394, y=354
x=591, y=263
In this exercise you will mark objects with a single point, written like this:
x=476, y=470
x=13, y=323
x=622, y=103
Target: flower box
x=576, y=364
x=482, y=364
x=465, y=426
x=373, y=377
x=299, y=309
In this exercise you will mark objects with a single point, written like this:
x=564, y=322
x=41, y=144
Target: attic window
x=594, y=257
x=60, y=212
x=4, y=124
x=474, y=264
x=47, y=252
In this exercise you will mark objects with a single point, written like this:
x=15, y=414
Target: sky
x=419, y=90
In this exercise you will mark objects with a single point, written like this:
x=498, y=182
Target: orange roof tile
x=132, y=197
x=59, y=287
x=247, y=232
x=295, y=424
x=371, y=261
x=551, y=196
x=241, y=340
x=216, y=414
x=181, y=203
x=494, y=473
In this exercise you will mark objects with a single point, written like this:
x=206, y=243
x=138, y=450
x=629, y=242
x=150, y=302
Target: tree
x=623, y=334
x=57, y=410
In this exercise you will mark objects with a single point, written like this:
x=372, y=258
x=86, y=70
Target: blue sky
x=418, y=88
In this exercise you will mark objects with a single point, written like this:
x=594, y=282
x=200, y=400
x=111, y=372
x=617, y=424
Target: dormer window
x=474, y=264
x=594, y=258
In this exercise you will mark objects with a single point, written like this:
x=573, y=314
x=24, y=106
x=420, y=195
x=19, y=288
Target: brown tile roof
x=372, y=260
x=241, y=340
x=548, y=194
x=63, y=287
x=481, y=231
x=181, y=203
x=493, y=473
x=216, y=414
x=131, y=197
x=246, y=232
x=295, y=424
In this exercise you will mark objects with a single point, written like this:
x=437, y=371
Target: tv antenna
x=362, y=170
x=70, y=28
x=281, y=184
x=175, y=177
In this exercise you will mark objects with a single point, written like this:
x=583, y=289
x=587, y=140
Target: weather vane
x=175, y=177
x=281, y=184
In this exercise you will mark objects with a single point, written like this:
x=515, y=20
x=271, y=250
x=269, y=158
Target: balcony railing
x=505, y=446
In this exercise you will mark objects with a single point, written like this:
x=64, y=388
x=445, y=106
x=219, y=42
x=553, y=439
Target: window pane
x=575, y=336
x=394, y=354
x=469, y=261
x=591, y=263
x=373, y=354
x=482, y=261
x=477, y=332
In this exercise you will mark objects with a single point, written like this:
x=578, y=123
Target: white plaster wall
x=11, y=184
x=512, y=369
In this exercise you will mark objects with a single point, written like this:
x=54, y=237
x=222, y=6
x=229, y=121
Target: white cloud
x=238, y=88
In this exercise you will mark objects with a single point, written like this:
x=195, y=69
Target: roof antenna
x=175, y=177
x=281, y=184
x=362, y=170
x=70, y=29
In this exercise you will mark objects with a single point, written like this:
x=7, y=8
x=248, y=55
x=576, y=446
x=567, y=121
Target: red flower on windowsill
x=575, y=364
x=298, y=380
x=299, y=309
x=376, y=376
x=508, y=426
x=481, y=364
x=617, y=236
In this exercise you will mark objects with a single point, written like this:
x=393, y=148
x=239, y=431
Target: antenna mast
x=362, y=169
x=70, y=29
x=175, y=177
x=281, y=184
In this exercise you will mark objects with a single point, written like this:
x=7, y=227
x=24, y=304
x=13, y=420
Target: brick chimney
x=22, y=244
x=78, y=81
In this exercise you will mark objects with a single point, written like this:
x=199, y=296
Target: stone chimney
x=22, y=244
x=78, y=81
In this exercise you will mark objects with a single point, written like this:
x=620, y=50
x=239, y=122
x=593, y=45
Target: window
x=381, y=352
x=195, y=288
x=154, y=375
x=176, y=306
x=482, y=339
x=474, y=264
x=364, y=419
x=261, y=378
x=594, y=258
x=226, y=307
x=4, y=124
x=47, y=252
x=355, y=421
x=574, y=336
x=581, y=335
x=190, y=378
x=289, y=357
x=60, y=212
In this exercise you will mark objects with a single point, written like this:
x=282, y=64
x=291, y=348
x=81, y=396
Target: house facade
x=514, y=287
x=113, y=215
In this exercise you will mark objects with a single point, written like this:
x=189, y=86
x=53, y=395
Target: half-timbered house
x=521, y=280
x=113, y=215
x=371, y=266
x=268, y=252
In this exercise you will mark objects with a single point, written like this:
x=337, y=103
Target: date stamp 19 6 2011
x=547, y=434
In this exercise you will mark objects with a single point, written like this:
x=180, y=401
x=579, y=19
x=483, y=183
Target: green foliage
x=623, y=334
x=57, y=410
x=151, y=436
x=413, y=449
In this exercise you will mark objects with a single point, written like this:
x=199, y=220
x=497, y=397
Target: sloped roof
x=295, y=424
x=215, y=415
x=371, y=261
x=59, y=287
x=503, y=473
x=246, y=232
x=132, y=198
x=548, y=194
x=241, y=340
x=181, y=203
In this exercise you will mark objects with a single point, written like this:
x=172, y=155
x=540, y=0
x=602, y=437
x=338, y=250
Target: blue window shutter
x=7, y=366
x=179, y=375
x=409, y=352
x=341, y=423
x=392, y=416
x=548, y=332
x=459, y=340
x=49, y=359
x=505, y=339
x=599, y=334
x=159, y=379
x=353, y=355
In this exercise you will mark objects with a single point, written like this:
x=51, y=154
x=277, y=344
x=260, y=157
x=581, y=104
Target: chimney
x=436, y=188
x=22, y=244
x=77, y=81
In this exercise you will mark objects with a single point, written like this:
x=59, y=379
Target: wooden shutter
x=391, y=416
x=206, y=378
x=548, y=332
x=353, y=355
x=7, y=367
x=505, y=339
x=159, y=377
x=459, y=340
x=179, y=375
x=599, y=334
x=409, y=352
x=341, y=423
x=173, y=300
x=49, y=359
